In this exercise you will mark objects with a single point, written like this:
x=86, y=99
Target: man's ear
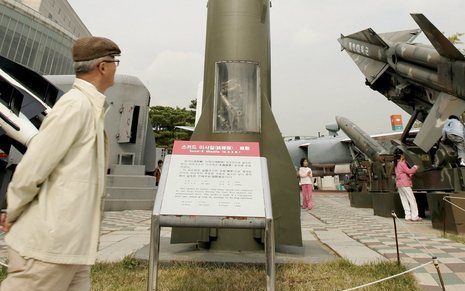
x=101, y=67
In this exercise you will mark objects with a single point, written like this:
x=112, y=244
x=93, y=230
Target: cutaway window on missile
x=237, y=97
x=128, y=123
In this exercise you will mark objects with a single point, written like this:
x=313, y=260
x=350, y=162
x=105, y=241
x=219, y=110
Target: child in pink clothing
x=404, y=185
x=305, y=175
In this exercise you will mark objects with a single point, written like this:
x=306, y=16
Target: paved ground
x=332, y=226
x=378, y=234
x=123, y=233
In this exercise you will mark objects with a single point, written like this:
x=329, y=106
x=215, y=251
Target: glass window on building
x=27, y=51
x=2, y=37
x=35, y=44
x=47, y=56
x=237, y=97
x=34, y=48
x=7, y=37
x=16, y=46
x=22, y=43
x=14, y=39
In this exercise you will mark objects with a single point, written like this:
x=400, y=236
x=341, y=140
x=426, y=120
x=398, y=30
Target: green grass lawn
x=131, y=274
x=460, y=238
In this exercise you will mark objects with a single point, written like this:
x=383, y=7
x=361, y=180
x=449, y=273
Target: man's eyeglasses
x=112, y=61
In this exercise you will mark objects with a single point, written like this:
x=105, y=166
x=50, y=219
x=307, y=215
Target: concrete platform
x=313, y=252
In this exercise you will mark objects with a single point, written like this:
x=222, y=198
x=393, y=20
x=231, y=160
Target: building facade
x=39, y=34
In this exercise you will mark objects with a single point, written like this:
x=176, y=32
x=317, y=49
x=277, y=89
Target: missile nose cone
x=341, y=120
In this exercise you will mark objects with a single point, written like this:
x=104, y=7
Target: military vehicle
x=322, y=153
x=429, y=83
x=372, y=168
x=330, y=155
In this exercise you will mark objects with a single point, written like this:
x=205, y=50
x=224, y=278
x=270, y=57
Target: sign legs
x=154, y=251
x=270, y=255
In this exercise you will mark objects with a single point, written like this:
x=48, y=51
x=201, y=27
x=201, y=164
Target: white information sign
x=214, y=185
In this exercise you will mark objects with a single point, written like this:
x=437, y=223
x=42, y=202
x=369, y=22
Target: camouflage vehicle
x=429, y=83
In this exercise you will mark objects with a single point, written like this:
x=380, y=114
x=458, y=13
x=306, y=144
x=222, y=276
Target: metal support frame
x=158, y=221
x=410, y=123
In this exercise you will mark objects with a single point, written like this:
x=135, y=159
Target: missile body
x=25, y=99
x=440, y=67
x=236, y=106
x=416, y=77
x=366, y=144
x=17, y=127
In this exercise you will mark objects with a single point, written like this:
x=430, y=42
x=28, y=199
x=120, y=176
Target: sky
x=163, y=43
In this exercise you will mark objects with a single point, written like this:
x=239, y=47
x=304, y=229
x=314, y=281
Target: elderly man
x=55, y=197
x=453, y=130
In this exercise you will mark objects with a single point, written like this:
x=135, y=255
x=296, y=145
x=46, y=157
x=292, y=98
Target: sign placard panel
x=214, y=179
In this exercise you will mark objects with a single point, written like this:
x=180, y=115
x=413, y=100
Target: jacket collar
x=97, y=99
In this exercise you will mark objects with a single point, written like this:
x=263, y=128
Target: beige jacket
x=55, y=196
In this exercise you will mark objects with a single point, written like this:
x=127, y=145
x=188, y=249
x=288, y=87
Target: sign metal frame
x=158, y=221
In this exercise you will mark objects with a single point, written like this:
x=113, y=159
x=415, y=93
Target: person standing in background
x=453, y=130
x=306, y=177
x=157, y=173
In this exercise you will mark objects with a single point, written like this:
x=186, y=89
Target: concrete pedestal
x=361, y=199
x=385, y=202
x=444, y=215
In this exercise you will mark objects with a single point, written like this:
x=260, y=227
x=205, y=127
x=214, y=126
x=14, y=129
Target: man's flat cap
x=91, y=48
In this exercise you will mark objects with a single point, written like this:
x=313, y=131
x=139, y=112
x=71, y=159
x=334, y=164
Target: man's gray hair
x=87, y=66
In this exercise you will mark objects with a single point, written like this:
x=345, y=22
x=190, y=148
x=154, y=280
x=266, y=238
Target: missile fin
x=400, y=36
x=444, y=47
x=342, y=36
x=369, y=36
x=372, y=69
x=431, y=129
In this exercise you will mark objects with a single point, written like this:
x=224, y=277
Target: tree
x=164, y=121
x=193, y=104
x=455, y=38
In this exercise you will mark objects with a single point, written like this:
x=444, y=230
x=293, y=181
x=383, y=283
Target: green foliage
x=3, y=273
x=164, y=121
x=193, y=104
x=455, y=38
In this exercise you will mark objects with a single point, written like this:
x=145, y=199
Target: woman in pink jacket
x=404, y=184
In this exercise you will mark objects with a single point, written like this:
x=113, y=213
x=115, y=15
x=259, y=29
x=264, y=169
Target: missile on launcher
x=366, y=144
x=426, y=81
